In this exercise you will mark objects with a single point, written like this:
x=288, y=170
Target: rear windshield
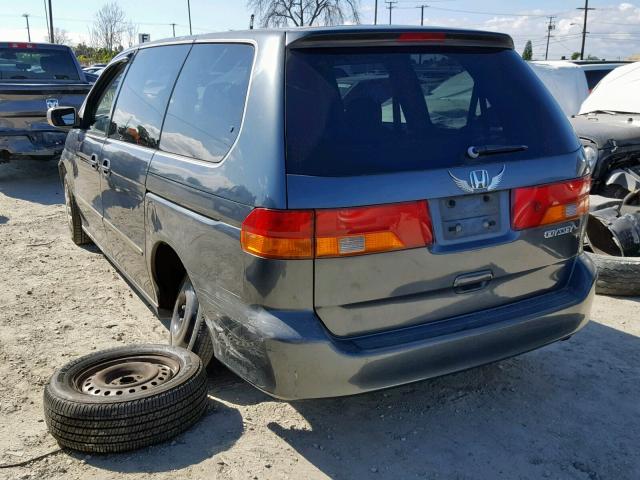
x=37, y=64
x=366, y=111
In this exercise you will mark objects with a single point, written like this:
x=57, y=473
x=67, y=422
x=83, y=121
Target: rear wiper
x=475, y=152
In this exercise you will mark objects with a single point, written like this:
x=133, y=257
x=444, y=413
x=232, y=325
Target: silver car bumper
x=290, y=355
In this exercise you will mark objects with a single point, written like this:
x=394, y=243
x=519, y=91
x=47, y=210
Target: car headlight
x=591, y=154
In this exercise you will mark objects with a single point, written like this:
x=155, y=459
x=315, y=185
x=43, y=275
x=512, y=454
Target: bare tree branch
x=60, y=36
x=109, y=27
x=131, y=33
x=280, y=13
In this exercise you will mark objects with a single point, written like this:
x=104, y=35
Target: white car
x=566, y=81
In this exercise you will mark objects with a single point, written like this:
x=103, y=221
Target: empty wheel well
x=168, y=273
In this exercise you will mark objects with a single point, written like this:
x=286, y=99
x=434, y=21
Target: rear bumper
x=44, y=144
x=290, y=355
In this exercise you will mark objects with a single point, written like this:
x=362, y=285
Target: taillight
x=422, y=37
x=553, y=203
x=290, y=234
x=356, y=231
x=285, y=234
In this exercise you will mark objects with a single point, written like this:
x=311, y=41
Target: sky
x=614, y=27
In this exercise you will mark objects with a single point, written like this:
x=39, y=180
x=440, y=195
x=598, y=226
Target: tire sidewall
x=61, y=384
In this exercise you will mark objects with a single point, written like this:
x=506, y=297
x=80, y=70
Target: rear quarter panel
x=197, y=207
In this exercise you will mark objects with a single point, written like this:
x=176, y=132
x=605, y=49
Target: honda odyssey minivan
x=329, y=211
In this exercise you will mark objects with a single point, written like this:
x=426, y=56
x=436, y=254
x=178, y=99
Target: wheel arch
x=167, y=271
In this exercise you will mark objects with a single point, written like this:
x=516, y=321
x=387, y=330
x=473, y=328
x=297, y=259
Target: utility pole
x=422, y=7
x=51, y=38
x=173, y=26
x=584, y=27
x=188, y=10
x=550, y=27
x=251, y=19
x=46, y=17
x=375, y=13
x=390, y=7
x=26, y=16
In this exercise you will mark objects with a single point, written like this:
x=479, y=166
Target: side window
x=207, y=105
x=100, y=118
x=143, y=98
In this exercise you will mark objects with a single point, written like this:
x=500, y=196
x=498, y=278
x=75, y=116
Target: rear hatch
x=413, y=149
x=34, y=78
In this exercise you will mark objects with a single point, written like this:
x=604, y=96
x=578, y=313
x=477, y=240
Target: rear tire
x=617, y=275
x=125, y=398
x=186, y=313
x=74, y=220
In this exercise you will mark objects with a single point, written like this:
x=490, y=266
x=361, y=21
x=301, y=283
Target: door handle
x=470, y=282
x=93, y=161
x=106, y=167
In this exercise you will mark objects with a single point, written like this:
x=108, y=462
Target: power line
x=390, y=7
x=51, y=38
x=477, y=12
x=46, y=15
x=550, y=27
x=422, y=7
x=26, y=16
x=189, y=11
x=584, y=28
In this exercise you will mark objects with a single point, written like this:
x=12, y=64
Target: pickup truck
x=33, y=78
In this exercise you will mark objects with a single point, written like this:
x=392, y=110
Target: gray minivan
x=329, y=211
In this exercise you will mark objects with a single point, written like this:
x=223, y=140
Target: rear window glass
x=367, y=111
x=37, y=64
x=206, y=108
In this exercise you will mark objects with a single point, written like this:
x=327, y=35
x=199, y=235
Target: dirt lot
x=571, y=410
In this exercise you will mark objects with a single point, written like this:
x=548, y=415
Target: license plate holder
x=467, y=217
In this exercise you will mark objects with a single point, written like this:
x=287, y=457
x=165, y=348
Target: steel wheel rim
x=184, y=315
x=126, y=376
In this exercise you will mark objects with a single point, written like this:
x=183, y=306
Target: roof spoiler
x=402, y=38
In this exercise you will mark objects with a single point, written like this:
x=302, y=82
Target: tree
x=527, y=54
x=89, y=55
x=108, y=27
x=60, y=36
x=280, y=13
x=576, y=56
x=131, y=34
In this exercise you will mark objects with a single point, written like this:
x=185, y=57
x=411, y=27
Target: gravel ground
x=571, y=410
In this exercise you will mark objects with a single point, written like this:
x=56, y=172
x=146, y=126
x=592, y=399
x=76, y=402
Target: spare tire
x=125, y=398
x=617, y=275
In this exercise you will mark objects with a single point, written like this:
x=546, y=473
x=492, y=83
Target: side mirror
x=62, y=117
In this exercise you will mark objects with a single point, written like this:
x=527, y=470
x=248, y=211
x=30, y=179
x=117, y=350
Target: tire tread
x=111, y=427
x=617, y=275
